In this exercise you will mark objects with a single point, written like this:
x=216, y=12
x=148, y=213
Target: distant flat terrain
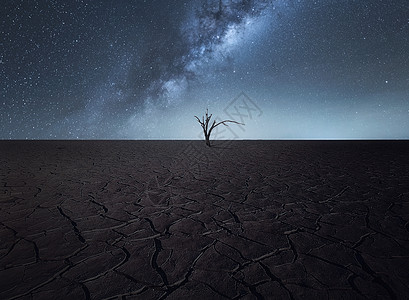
x=178, y=220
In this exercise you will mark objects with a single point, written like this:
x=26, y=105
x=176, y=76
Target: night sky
x=324, y=69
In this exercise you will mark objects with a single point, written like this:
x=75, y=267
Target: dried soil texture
x=176, y=219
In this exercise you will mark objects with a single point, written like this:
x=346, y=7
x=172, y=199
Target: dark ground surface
x=173, y=219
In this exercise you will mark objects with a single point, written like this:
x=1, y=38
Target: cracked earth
x=174, y=219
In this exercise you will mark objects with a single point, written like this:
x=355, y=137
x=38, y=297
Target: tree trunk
x=207, y=137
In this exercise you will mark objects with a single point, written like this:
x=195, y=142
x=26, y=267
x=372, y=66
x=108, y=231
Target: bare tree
x=208, y=130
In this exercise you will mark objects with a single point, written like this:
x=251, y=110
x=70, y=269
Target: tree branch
x=224, y=123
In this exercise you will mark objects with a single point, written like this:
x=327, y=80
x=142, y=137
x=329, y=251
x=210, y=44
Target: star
x=153, y=63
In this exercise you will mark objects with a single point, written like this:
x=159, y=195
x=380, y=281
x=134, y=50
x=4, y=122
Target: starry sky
x=124, y=69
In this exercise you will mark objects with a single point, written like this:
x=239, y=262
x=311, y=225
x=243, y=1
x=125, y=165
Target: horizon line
x=200, y=140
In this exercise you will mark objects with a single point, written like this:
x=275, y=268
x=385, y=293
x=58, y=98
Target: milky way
x=143, y=69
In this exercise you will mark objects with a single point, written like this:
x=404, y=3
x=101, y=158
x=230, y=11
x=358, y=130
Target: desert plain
x=179, y=220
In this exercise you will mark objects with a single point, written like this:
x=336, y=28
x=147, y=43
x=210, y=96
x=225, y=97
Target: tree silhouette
x=208, y=130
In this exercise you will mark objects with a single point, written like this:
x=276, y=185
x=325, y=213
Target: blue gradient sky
x=321, y=69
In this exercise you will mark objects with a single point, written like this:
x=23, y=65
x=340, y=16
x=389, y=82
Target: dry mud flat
x=174, y=219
